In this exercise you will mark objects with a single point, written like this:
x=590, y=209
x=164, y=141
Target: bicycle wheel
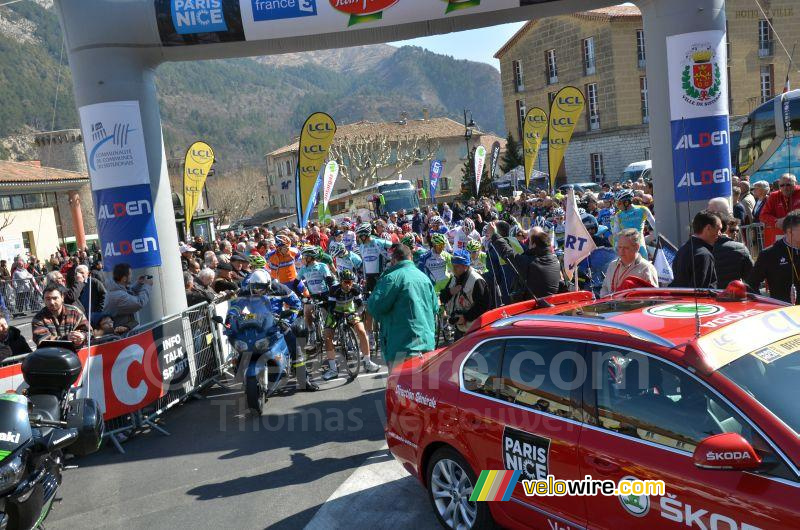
x=349, y=352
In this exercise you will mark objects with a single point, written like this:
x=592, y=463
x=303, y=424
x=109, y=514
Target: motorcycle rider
x=345, y=298
x=280, y=300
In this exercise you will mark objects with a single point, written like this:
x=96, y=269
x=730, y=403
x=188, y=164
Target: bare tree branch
x=235, y=195
x=7, y=220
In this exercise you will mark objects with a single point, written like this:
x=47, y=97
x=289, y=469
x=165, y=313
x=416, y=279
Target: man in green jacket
x=405, y=304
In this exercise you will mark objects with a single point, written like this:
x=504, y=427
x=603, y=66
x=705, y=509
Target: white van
x=636, y=170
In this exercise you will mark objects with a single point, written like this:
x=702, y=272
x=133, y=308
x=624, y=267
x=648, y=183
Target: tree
x=468, y=179
x=512, y=158
x=233, y=194
x=361, y=158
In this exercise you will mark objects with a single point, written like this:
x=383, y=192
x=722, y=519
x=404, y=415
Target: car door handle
x=602, y=464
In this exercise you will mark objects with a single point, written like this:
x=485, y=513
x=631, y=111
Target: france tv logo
x=198, y=16
x=264, y=10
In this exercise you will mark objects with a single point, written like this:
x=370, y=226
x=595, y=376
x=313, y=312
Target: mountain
x=244, y=107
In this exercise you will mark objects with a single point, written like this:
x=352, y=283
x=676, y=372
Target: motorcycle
x=36, y=428
x=259, y=340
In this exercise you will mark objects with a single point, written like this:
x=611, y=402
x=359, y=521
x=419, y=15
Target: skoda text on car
x=701, y=392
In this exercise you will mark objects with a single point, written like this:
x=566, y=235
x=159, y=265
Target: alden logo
x=124, y=209
x=703, y=139
x=9, y=436
x=141, y=245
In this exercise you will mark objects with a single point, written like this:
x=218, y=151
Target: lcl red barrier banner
x=128, y=374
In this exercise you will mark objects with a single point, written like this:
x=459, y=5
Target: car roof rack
x=630, y=330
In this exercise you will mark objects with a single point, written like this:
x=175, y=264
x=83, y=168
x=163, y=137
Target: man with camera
x=123, y=301
x=466, y=296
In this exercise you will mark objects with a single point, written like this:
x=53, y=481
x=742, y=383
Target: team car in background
x=699, y=390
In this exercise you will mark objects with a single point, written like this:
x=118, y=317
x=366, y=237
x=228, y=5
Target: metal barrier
x=752, y=236
x=22, y=296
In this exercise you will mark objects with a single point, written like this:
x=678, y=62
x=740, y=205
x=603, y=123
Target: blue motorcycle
x=258, y=337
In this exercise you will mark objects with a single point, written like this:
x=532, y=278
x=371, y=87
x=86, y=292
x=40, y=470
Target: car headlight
x=11, y=473
x=239, y=345
x=261, y=345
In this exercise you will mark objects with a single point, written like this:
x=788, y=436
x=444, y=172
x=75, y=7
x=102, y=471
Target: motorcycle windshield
x=15, y=428
x=255, y=312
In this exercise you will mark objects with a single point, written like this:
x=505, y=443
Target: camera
x=453, y=319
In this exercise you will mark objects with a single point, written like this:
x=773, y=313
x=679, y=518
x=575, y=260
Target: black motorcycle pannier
x=51, y=370
x=85, y=416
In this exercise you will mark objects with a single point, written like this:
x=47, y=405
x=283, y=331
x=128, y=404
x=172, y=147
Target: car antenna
x=691, y=236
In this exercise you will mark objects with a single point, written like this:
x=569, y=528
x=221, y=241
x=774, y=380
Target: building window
x=521, y=111
x=766, y=83
x=646, y=153
x=288, y=168
x=272, y=200
x=727, y=41
x=588, y=56
x=444, y=183
x=764, y=38
x=596, y=161
x=552, y=67
x=519, y=84
x=640, y=55
x=593, y=113
x=551, y=96
x=643, y=98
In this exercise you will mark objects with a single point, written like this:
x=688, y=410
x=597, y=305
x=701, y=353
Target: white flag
x=661, y=264
x=578, y=243
x=328, y=181
x=480, y=159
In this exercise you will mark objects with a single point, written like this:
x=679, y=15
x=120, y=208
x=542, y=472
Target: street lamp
x=468, y=128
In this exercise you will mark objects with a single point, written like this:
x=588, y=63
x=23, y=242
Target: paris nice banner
x=701, y=151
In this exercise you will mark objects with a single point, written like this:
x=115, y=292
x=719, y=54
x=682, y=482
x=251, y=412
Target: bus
x=394, y=195
x=769, y=144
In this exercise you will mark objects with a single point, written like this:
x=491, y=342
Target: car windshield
x=770, y=376
x=611, y=308
x=632, y=174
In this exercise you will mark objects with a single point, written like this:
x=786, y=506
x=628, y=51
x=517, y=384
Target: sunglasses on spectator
x=787, y=185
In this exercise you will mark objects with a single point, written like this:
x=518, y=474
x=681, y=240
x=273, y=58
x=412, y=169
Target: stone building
x=447, y=133
x=603, y=53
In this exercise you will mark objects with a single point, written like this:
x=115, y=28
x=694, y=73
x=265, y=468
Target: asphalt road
x=313, y=459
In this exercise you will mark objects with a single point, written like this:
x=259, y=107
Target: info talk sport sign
x=701, y=151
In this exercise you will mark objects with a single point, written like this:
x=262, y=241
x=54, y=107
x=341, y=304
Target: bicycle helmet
x=257, y=261
x=364, y=229
x=436, y=220
x=558, y=212
x=336, y=249
x=282, y=241
x=624, y=195
x=438, y=239
x=347, y=276
x=408, y=240
x=469, y=226
x=309, y=252
x=589, y=221
x=473, y=246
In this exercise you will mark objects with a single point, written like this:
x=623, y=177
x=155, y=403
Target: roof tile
x=25, y=172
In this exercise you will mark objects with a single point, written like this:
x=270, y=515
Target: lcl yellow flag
x=315, y=140
x=533, y=131
x=198, y=162
x=564, y=113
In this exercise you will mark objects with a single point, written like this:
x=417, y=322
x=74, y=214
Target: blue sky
x=475, y=45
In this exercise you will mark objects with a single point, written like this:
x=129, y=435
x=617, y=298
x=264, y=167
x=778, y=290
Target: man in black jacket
x=11, y=341
x=731, y=259
x=779, y=264
x=539, y=268
x=694, y=262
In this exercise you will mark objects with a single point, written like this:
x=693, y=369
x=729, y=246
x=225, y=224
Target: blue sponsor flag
x=701, y=158
x=127, y=227
x=437, y=167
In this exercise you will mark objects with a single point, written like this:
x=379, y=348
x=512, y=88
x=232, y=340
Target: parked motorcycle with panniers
x=36, y=427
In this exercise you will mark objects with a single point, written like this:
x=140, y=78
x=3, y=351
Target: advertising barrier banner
x=564, y=113
x=698, y=100
x=533, y=132
x=315, y=140
x=196, y=165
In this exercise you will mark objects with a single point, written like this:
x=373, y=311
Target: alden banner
x=197, y=164
x=315, y=140
x=533, y=132
x=564, y=113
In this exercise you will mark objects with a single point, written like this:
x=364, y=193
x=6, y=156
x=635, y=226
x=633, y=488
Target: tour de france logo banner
x=197, y=164
x=533, y=132
x=315, y=140
x=564, y=113
x=698, y=100
x=113, y=138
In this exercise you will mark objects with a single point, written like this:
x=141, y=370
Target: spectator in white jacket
x=123, y=302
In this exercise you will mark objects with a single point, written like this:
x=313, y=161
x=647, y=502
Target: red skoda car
x=702, y=392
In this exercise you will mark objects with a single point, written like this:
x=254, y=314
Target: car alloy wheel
x=451, y=488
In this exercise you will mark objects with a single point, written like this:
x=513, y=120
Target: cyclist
x=257, y=263
x=345, y=298
x=410, y=240
x=631, y=215
x=344, y=259
x=436, y=263
x=280, y=300
x=465, y=234
x=282, y=263
x=317, y=277
x=348, y=236
x=374, y=257
x=477, y=256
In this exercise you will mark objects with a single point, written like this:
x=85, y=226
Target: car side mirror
x=726, y=451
